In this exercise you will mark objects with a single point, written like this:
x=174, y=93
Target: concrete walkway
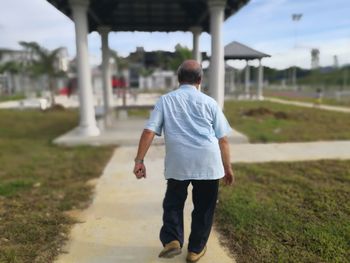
x=301, y=151
x=122, y=224
x=73, y=101
x=124, y=132
x=310, y=105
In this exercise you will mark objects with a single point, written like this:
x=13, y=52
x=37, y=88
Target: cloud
x=34, y=20
x=272, y=20
x=267, y=26
x=302, y=56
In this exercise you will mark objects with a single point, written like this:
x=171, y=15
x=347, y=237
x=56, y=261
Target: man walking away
x=197, y=153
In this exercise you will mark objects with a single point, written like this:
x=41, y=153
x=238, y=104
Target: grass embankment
x=11, y=97
x=139, y=113
x=39, y=182
x=288, y=212
x=343, y=102
x=273, y=122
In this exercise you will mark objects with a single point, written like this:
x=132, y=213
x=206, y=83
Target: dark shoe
x=193, y=257
x=170, y=250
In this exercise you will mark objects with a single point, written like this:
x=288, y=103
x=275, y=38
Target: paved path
x=303, y=151
x=123, y=222
x=150, y=99
x=310, y=105
x=122, y=225
x=123, y=132
x=73, y=101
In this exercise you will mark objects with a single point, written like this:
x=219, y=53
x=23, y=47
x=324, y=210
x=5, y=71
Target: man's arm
x=225, y=156
x=144, y=144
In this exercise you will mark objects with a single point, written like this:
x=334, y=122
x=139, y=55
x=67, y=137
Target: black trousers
x=204, y=196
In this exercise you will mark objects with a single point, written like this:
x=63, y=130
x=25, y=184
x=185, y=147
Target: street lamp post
x=296, y=18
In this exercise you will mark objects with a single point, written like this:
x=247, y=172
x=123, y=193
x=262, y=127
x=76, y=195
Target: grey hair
x=189, y=75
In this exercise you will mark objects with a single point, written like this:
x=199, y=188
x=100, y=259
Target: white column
x=217, y=64
x=196, y=31
x=260, y=80
x=87, y=126
x=247, y=80
x=106, y=71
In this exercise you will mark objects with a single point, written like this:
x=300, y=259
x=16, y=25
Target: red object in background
x=118, y=82
x=64, y=91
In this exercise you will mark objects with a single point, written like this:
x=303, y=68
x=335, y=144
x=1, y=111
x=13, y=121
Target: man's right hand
x=140, y=170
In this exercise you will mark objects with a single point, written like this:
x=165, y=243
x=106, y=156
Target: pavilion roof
x=149, y=15
x=236, y=50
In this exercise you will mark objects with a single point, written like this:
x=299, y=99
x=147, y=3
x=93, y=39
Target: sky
x=265, y=25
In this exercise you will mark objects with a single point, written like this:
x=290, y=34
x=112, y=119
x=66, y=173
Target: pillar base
x=109, y=118
x=89, y=131
x=122, y=115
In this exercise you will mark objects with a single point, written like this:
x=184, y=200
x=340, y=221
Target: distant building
x=14, y=79
x=63, y=60
x=150, y=70
x=153, y=69
x=134, y=74
x=150, y=59
x=7, y=55
x=159, y=80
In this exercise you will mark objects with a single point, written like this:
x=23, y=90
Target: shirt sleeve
x=155, y=122
x=220, y=125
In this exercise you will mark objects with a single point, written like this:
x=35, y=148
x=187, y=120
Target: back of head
x=190, y=72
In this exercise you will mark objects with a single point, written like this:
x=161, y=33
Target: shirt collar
x=187, y=86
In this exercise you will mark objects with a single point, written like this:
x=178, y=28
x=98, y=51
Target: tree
x=121, y=62
x=43, y=62
x=181, y=54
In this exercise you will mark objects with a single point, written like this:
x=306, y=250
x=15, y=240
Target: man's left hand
x=229, y=178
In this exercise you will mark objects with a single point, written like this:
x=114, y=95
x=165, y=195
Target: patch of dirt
x=261, y=112
x=92, y=182
x=57, y=107
x=281, y=115
x=257, y=112
x=76, y=214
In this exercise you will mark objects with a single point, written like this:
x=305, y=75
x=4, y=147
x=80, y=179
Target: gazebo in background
x=105, y=16
x=236, y=50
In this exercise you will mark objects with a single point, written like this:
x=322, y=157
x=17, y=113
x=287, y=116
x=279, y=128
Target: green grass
x=273, y=122
x=334, y=102
x=288, y=212
x=40, y=181
x=139, y=113
x=11, y=187
x=344, y=102
x=11, y=97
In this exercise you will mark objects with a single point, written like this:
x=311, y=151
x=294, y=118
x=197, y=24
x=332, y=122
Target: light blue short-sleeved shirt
x=192, y=123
